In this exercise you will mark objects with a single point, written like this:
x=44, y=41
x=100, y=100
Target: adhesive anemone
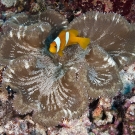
x=102, y=73
x=57, y=88
x=110, y=31
x=51, y=91
x=23, y=34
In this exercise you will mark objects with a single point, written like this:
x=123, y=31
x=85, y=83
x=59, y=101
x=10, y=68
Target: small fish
x=66, y=38
x=54, y=32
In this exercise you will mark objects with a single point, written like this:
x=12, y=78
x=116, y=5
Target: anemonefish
x=66, y=38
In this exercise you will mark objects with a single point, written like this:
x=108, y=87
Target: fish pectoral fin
x=60, y=53
x=74, y=32
x=83, y=42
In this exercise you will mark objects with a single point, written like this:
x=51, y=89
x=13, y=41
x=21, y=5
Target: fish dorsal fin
x=73, y=31
x=57, y=41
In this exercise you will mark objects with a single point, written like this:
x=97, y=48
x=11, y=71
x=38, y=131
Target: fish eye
x=55, y=46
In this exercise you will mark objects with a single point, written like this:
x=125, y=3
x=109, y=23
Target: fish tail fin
x=83, y=42
x=74, y=32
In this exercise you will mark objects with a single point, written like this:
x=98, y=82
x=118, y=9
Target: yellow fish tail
x=83, y=42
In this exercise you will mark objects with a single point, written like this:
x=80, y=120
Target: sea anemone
x=57, y=87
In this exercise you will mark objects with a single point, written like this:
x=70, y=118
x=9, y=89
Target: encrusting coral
x=57, y=87
x=8, y=3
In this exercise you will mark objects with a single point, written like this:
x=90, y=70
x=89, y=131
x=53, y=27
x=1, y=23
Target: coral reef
x=69, y=8
x=45, y=87
x=104, y=119
x=129, y=116
x=106, y=115
x=8, y=3
x=72, y=8
x=128, y=78
x=23, y=126
x=80, y=127
x=55, y=88
x=131, y=16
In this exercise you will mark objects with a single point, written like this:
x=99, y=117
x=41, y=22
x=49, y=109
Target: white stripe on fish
x=67, y=37
x=57, y=41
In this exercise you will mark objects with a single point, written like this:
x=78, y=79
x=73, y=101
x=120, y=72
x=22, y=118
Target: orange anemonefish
x=66, y=38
